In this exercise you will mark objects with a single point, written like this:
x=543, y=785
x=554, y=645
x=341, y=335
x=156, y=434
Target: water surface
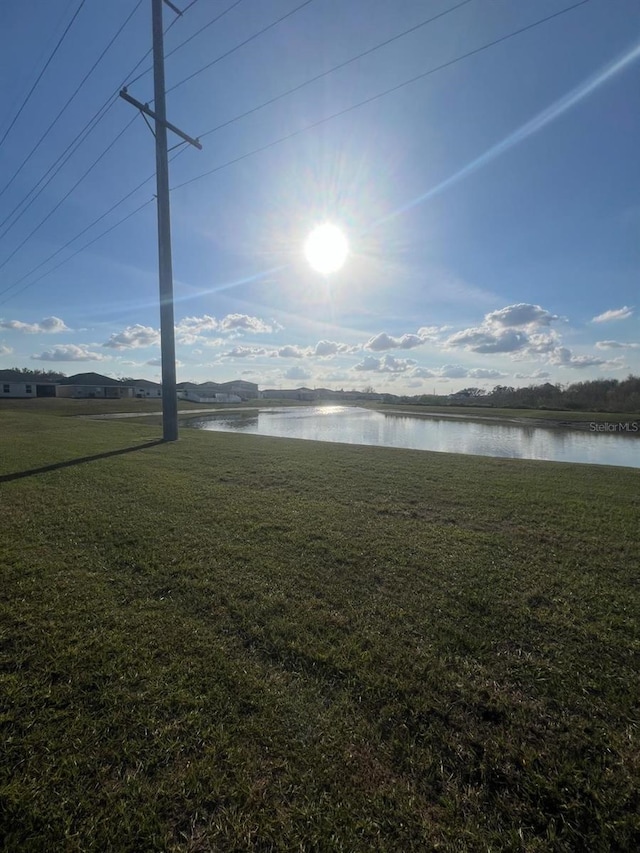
x=352, y=425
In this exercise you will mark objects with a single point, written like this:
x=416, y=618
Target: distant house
x=241, y=388
x=144, y=388
x=311, y=394
x=217, y=392
x=304, y=394
x=93, y=385
x=84, y=386
x=13, y=384
x=206, y=392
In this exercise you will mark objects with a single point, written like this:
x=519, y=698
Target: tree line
x=596, y=395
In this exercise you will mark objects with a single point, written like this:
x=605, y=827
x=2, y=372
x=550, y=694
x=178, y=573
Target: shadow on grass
x=19, y=475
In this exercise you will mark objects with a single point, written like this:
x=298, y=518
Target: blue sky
x=491, y=207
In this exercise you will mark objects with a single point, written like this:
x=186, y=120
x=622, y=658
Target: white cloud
x=326, y=348
x=290, y=351
x=453, y=371
x=245, y=352
x=5, y=350
x=245, y=323
x=562, y=356
x=368, y=363
x=49, y=325
x=542, y=342
x=614, y=314
x=53, y=325
x=386, y=364
x=616, y=345
x=513, y=329
x=537, y=374
x=189, y=329
x=383, y=341
x=457, y=371
x=486, y=340
x=69, y=352
x=485, y=373
x=522, y=314
x=617, y=363
x=431, y=333
x=134, y=337
x=409, y=341
x=297, y=372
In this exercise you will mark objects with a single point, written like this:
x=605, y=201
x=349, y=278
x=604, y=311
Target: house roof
x=15, y=376
x=91, y=379
x=145, y=383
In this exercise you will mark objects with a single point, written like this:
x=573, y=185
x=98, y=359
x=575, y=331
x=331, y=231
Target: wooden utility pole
x=165, y=269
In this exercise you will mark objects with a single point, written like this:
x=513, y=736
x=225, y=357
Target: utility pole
x=165, y=270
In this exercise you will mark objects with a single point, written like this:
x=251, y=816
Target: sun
x=326, y=248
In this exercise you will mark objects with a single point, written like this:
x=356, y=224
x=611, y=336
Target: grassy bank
x=237, y=643
x=552, y=416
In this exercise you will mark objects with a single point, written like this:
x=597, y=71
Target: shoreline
x=551, y=423
x=595, y=426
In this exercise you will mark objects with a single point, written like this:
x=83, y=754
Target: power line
x=62, y=160
x=40, y=59
x=78, y=88
x=77, y=236
x=186, y=41
x=242, y=44
x=254, y=109
x=82, y=249
x=40, y=75
x=177, y=18
x=184, y=11
x=65, y=197
x=275, y=142
x=72, y=147
x=335, y=68
x=386, y=92
x=84, y=231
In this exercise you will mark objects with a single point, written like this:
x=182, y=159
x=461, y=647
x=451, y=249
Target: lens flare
x=326, y=249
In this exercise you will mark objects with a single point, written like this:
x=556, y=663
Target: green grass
x=237, y=643
x=478, y=411
x=67, y=407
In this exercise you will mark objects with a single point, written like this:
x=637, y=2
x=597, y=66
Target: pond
x=353, y=425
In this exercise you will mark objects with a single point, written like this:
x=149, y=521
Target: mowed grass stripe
x=244, y=643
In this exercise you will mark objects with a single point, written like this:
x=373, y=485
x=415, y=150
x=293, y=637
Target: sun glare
x=326, y=248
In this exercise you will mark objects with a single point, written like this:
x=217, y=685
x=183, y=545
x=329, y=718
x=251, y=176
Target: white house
x=93, y=385
x=144, y=388
x=217, y=392
x=18, y=389
x=13, y=384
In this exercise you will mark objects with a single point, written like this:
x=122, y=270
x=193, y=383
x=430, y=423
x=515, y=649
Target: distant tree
x=42, y=375
x=472, y=392
x=599, y=395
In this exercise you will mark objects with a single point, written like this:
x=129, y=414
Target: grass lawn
x=238, y=643
x=483, y=412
